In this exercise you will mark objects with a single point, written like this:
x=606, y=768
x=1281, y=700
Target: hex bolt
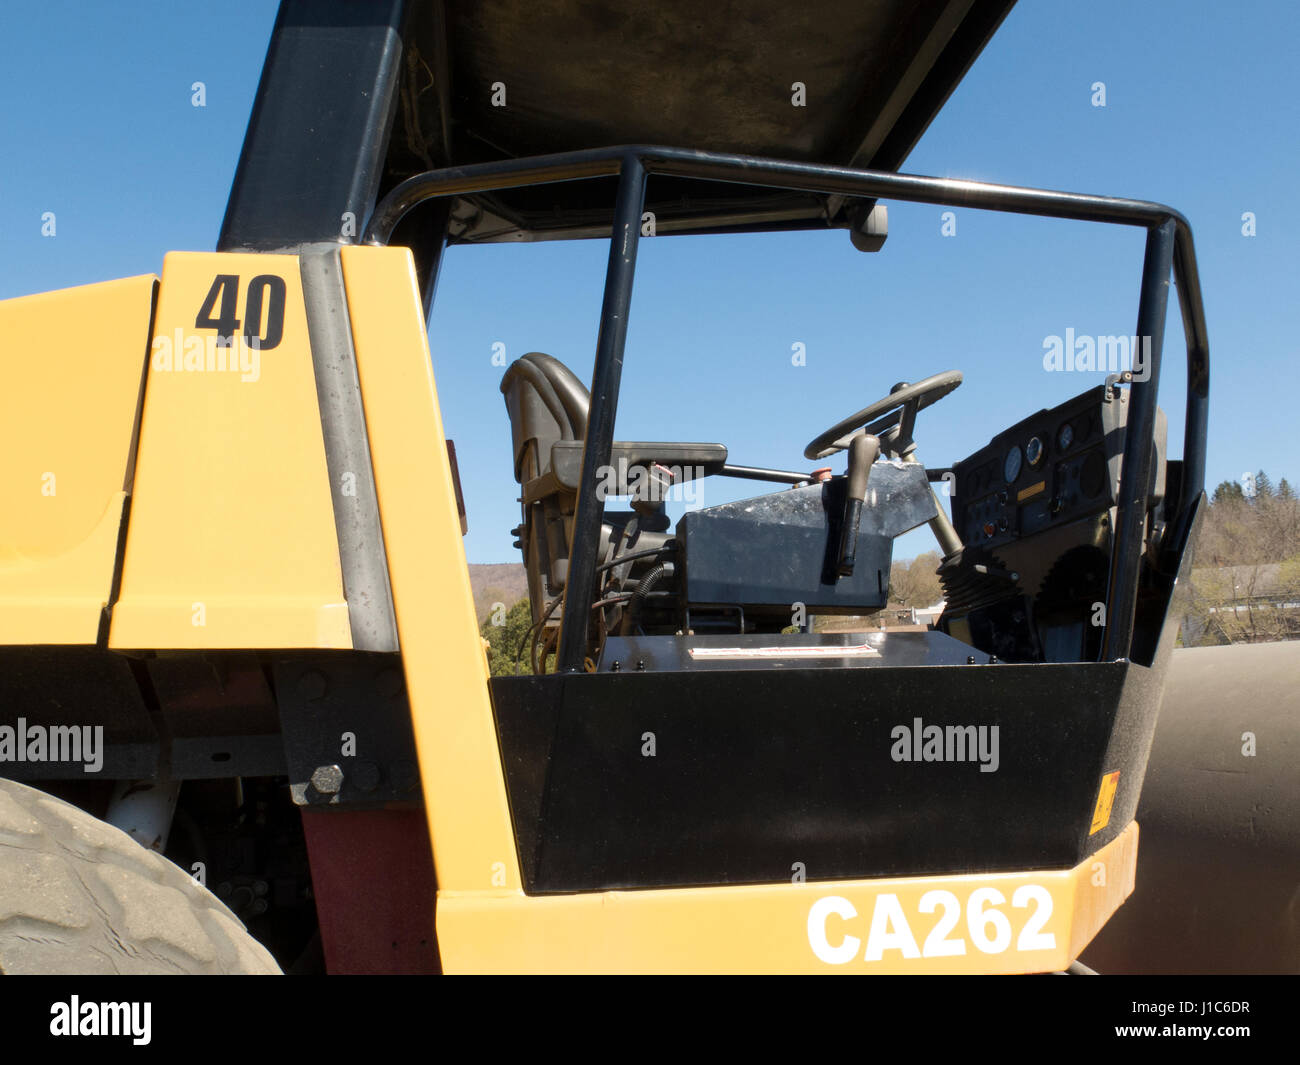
x=327, y=780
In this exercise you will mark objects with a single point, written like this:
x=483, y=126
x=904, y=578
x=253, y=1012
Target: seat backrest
x=546, y=403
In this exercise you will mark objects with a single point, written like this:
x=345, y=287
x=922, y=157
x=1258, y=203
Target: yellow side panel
x=994, y=923
x=446, y=673
x=231, y=542
x=72, y=363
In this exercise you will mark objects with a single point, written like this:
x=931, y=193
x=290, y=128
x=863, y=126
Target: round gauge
x=1065, y=436
x=1034, y=451
x=1011, y=465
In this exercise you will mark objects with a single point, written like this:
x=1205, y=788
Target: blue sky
x=1202, y=112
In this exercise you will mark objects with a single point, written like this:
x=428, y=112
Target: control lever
x=864, y=449
x=648, y=499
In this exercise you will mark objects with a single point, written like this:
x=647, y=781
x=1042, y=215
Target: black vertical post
x=1198, y=371
x=1198, y=397
x=316, y=140
x=580, y=587
x=424, y=231
x=1135, y=475
x=1194, y=433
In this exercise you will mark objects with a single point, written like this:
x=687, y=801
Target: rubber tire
x=80, y=897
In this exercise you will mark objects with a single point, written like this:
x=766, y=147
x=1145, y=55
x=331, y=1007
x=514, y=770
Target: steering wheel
x=891, y=418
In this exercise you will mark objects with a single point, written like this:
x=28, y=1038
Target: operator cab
x=1025, y=559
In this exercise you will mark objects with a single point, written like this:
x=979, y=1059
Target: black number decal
x=227, y=287
x=261, y=287
x=265, y=291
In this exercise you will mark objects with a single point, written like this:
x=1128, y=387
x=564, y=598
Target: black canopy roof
x=717, y=76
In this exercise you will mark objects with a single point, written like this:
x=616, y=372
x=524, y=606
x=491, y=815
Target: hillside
x=497, y=582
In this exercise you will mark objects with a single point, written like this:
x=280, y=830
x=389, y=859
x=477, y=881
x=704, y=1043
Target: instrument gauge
x=1065, y=436
x=1011, y=465
x=1034, y=451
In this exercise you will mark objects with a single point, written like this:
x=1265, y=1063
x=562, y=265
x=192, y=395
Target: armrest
x=687, y=461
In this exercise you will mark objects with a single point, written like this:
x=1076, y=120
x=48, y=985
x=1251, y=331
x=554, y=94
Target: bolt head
x=366, y=776
x=390, y=683
x=327, y=779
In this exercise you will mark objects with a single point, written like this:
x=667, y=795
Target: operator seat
x=547, y=404
x=548, y=408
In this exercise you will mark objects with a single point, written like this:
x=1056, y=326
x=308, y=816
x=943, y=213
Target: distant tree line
x=1245, y=585
x=915, y=583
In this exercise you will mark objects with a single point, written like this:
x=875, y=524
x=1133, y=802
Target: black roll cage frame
x=1168, y=247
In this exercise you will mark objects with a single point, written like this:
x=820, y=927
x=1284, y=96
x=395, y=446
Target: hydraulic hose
x=644, y=587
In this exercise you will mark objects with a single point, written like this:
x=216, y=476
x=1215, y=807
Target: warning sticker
x=1105, y=800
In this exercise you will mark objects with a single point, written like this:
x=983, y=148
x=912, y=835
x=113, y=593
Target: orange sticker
x=1105, y=800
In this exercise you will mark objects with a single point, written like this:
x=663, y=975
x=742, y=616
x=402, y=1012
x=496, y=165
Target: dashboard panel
x=1048, y=470
x=1034, y=510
